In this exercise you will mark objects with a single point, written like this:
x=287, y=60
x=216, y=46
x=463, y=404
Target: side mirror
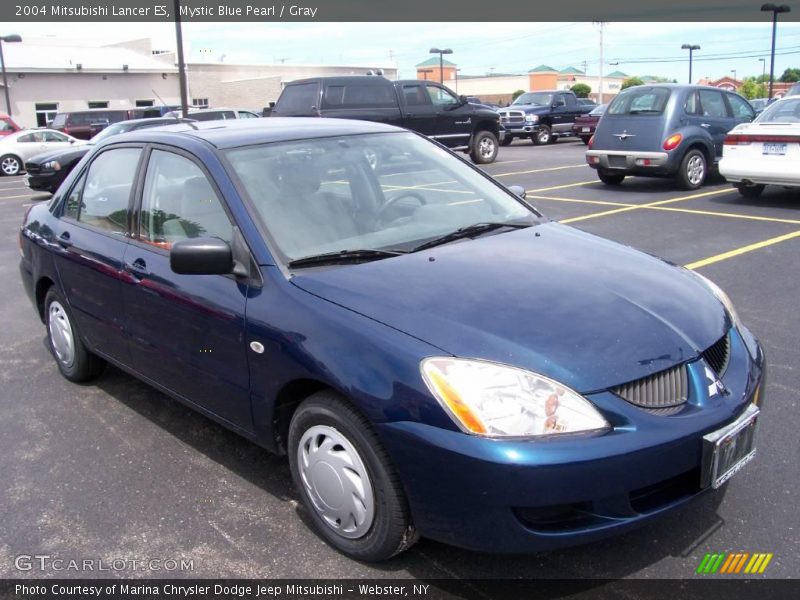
x=517, y=190
x=201, y=256
x=272, y=105
x=463, y=99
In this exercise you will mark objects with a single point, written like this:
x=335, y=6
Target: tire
x=74, y=360
x=610, y=178
x=543, y=136
x=323, y=422
x=585, y=139
x=484, y=147
x=750, y=191
x=693, y=170
x=10, y=165
x=507, y=140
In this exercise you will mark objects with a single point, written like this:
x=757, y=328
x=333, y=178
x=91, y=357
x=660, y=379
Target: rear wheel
x=693, y=170
x=543, y=136
x=74, y=360
x=750, y=191
x=484, y=147
x=610, y=178
x=10, y=165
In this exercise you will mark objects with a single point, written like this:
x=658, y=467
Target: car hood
x=560, y=302
x=64, y=155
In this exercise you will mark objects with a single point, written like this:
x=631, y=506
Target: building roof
x=571, y=71
x=56, y=58
x=543, y=69
x=617, y=74
x=433, y=61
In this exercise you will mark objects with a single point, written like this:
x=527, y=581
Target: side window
x=713, y=104
x=692, y=106
x=53, y=136
x=414, y=95
x=440, y=96
x=179, y=203
x=73, y=203
x=26, y=139
x=741, y=108
x=571, y=101
x=559, y=100
x=105, y=195
x=298, y=98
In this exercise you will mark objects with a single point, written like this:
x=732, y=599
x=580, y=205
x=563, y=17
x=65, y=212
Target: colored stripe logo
x=733, y=563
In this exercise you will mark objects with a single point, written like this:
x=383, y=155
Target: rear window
x=598, y=110
x=355, y=96
x=300, y=98
x=785, y=111
x=640, y=101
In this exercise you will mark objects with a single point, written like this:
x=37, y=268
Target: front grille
x=666, y=389
x=512, y=117
x=719, y=354
x=31, y=168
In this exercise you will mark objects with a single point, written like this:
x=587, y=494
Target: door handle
x=706, y=125
x=64, y=241
x=137, y=268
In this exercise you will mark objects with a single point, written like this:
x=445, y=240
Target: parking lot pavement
x=118, y=469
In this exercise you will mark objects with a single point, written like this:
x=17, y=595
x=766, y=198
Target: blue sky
x=479, y=48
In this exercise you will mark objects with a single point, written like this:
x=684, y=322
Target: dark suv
x=665, y=130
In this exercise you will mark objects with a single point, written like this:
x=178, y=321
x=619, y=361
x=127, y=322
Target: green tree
x=631, y=81
x=790, y=75
x=581, y=90
x=752, y=88
x=517, y=94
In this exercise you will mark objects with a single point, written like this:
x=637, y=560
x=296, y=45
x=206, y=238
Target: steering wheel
x=394, y=199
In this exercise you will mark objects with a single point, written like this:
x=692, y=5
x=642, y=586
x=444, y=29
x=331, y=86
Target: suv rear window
x=640, y=101
x=297, y=98
x=355, y=96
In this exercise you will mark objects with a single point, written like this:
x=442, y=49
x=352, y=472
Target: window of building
x=45, y=112
x=98, y=103
x=200, y=102
x=144, y=103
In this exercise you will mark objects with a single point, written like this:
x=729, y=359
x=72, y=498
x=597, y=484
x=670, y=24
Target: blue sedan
x=434, y=356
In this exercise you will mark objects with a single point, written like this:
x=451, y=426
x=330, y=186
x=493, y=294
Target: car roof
x=344, y=79
x=244, y=132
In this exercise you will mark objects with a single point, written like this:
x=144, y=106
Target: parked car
x=665, y=130
x=584, y=125
x=46, y=171
x=215, y=114
x=424, y=106
x=154, y=112
x=543, y=116
x=438, y=362
x=18, y=147
x=7, y=125
x=794, y=90
x=759, y=104
x=85, y=124
x=765, y=152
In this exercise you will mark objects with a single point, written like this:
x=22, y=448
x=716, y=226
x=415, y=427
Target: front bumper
x=628, y=161
x=44, y=181
x=527, y=495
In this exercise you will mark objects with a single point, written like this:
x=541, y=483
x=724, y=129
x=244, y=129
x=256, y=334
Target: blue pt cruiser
x=434, y=356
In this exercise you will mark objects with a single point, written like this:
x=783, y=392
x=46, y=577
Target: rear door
x=453, y=119
x=187, y=331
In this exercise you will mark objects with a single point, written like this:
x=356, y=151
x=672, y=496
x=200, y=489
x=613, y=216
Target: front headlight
x=495, y=400
x=531, y=118
x=721, y=296
x=53, y=165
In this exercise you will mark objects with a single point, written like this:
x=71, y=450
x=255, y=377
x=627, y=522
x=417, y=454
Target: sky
x=478, y=48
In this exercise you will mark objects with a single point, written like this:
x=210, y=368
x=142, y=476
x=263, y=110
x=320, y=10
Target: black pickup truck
x=543, y=116
x=423, y=106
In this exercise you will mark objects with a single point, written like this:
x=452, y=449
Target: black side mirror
x=463, y=99
x=201, y=256
x=272, y=105
x=517, y=190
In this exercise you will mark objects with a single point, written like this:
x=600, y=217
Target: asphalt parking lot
x=116, y=469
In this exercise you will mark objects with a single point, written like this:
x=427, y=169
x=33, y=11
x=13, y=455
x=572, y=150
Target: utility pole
x=601, y=25
x=181, y=63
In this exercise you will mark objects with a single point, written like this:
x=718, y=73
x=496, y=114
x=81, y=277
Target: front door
x=419, y=113
x=714, y=117
x=453, y=119
x=187, y=331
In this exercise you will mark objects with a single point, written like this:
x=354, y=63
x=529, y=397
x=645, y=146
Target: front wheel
x=10, y=165
x=750, y=191
x=346, y=480
x=484, y=147
x=543, y=136
x=693, y=170
x=74, y=360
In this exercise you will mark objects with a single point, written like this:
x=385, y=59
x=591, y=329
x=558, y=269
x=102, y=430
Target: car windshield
x=378, y=192
x=540, y=98
x=598, y=110
x=785, y=111
x=109, y=131
x=640, y=100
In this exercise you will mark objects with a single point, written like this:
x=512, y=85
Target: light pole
x=457, y=70
x=763, y=67
x=181, y=63
x=441, y=53
x=775, y=10
x=734, y=77
x=691, y=48
x=9, y=39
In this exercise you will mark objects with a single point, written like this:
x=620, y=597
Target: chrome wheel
x=336, y=481
x=486, y=148
x=61, y=336
x=696, y=169
x=10, y=165
x=543, y=136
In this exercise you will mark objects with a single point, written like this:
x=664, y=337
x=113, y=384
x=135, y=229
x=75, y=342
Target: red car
x=584, y=125
x=7, y=125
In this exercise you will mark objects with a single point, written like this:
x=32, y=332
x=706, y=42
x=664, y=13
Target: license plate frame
x=773, y=149
x=727, y=450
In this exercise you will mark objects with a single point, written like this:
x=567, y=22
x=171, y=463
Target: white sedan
x=18, y=147
x=766, y=151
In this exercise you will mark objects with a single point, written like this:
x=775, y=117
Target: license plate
x=727, y=450
x=772, y=148
x=586, y=129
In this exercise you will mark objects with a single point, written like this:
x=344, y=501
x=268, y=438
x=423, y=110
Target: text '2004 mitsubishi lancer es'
x=436, y=360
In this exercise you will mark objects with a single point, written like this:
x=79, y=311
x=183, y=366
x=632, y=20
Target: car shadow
x=772, y=197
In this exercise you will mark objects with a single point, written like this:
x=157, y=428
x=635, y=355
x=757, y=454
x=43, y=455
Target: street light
x=763, y=66
x=734, y=75
x=9, y=39
x=775, y=10
x=441, y=60
x=691, y=48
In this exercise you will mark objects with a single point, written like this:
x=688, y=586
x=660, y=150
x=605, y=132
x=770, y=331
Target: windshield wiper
x=343, y=257
x=468, y=231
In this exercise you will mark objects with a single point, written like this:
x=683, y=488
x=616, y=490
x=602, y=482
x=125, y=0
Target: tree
x=631, y=81
x=752, y=88
x=581, y=90
x=517, y=94
x=790, y=75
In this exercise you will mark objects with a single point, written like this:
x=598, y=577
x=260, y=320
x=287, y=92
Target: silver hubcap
x=544, y=136
x=10, y=166
x=696, y=169
x=486, y=148
x=336, y=481
x=61, y=336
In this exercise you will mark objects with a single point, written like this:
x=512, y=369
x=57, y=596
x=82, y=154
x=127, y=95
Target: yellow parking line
x=744, y=249
x=600, y=202
x=560, y=187
x=710, y=213
x=540, y=170
x=647, y=205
